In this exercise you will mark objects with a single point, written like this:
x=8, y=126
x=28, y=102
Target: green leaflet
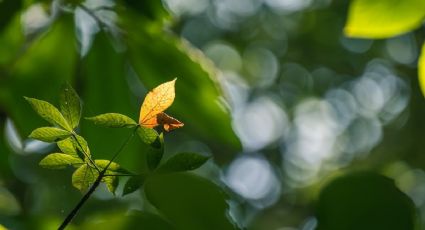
x=134, y=183
x=59, y=161
x=113, y=120
x=70, y=105
x=112, y=167
x=111, y=182
x=183, y=162
x=49, y=134
x=49, y=112
x=84, y=177
x=67, y=146
x=383, y=18
x=147, y=135
x=81, y=145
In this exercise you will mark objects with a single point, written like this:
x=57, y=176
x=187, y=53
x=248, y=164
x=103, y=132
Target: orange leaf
x=156, y=101
x=168, y=122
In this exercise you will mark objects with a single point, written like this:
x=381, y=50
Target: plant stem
x=99, y=178
x=86, y=196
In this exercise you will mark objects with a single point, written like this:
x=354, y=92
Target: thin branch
x=101, y=175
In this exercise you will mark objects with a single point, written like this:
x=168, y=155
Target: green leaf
x=81, y=144
x=134, y=183
x=84, y=177
x=114, y=167
x=49, y=134
x=127, y=221
x=183, y=162
x=70, y=105
x=421, y=69
x=49, y=112
x=59, y=161
x=67, y=146
x=366, y=201
x=155, y=152
x=189, y=201
x=113, y=120
x=383, y=18
x=111, y=182
x=8, y=9
x=147, y=135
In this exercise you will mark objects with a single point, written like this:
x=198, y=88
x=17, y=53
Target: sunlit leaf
x=60, y=161
x=67, y=146
x=183, y=162
x=112, y=166
x=70, y=105
x=49, y=112
x=84, y=177
x=188, y=201
x=156, y=101
x=134, y=183
x=421, y=69
x=111, y=182
x=383, y=18
x=81, y=144
x=147, y=135
x=49, y=134
x=366, y=201
x=113, y=120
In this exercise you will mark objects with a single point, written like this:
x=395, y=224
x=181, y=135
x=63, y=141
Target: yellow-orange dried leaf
x=156, y=101
x=169, y=123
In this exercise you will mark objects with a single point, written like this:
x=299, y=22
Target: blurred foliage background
x=307, y=128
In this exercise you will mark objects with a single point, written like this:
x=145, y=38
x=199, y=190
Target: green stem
x=99, y=178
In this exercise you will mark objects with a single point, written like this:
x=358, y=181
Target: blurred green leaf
x=113, y=120
x=159, y=57
x=421, y=69
x=153, y=10
x=183, y=162
x=134, y=220
x=113, y=95
x=383, y=18
x=155, y=152
x=49, y=134
x=70, y=105
x=147, y=135
x=194, y=203
x=9, y=205
x=67, y=147
x=8, y=9
x=364, y=201
x=37, y=68
x=59, y=161
x=48, y=112
x=84, y=177
x=134, y=183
